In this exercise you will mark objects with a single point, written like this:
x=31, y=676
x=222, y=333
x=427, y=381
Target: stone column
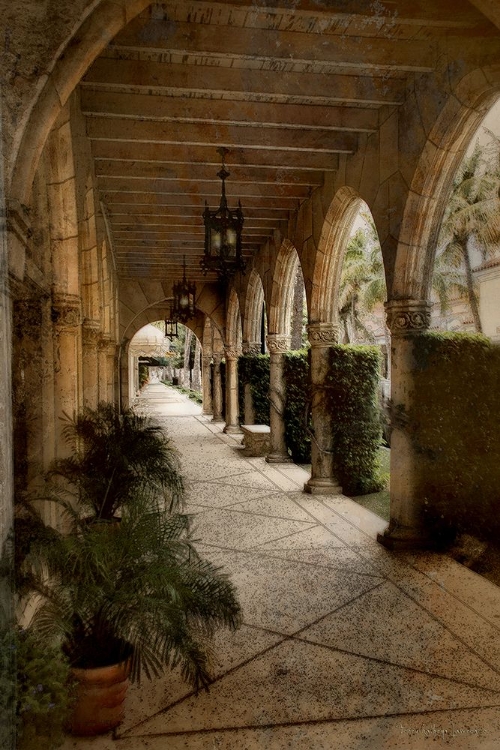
x=206, y=384
x=277, y=344
x=91, y=332
x=217, y=394
x=322, y=336
x=232, y=411
x=66, y=313
x=107, y=366
x=249, y=347
x=406, y=319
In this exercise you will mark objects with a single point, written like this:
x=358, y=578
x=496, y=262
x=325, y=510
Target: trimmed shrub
x=453, y=424
x=254, y=370
x=297, y=405
x=352, y=397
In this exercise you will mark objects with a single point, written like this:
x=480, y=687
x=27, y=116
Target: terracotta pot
x=100, y=699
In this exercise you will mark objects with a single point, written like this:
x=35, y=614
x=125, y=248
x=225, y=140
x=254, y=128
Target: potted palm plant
x=126, y=601
x=114, y=455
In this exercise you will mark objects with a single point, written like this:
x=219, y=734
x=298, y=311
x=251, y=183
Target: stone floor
x=344, y=644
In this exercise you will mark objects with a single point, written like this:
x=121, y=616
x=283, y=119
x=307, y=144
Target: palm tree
x=472, y=216
x=362, y=284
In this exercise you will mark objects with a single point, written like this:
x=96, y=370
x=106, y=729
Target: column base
x=231, y=429
x=400, y=538
x=217, y=419
x=207, y=413
x=278, y=458
x=322, y=487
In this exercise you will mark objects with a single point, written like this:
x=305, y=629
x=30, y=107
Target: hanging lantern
x=171, y=331
x=223, y=233
x=184, y=295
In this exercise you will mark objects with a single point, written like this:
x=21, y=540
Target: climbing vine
x=453, y=425
x=253, y=369
x=351, y=389
x=297, y=411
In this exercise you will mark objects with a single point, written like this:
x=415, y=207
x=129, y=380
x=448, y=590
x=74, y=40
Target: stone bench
x=256, y=439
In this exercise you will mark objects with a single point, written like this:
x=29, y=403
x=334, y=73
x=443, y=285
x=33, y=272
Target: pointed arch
x=253, y=308
x=441, y=156
x=335, y=235
x=285, y=271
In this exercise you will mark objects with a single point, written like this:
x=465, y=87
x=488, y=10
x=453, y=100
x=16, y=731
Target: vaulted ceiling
x=288, y=87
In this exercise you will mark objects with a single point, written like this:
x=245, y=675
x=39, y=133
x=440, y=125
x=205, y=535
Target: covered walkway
x=344, y=644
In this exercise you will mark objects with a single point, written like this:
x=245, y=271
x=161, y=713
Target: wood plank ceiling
x=288, y=87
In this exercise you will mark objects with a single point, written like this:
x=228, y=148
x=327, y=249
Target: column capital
x=206, y=360
x=231, y=353
x=278, y=343
x=408, y=316
x=91, y=332
x=322, y=334
x=251, y=347
x=66, y=310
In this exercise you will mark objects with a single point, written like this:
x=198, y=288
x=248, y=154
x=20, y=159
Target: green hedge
x=352, y=397
x=254, y=370
x=297, y=403
x=453, y=424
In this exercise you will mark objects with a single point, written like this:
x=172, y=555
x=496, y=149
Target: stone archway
x=254, y=310
x=278, y=342
x=408, y=306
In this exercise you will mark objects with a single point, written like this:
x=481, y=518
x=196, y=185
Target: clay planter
x=100, y=699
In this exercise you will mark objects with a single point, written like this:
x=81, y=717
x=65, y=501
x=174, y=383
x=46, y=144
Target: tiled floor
x=344, y=644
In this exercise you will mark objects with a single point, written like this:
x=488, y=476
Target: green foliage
x=297, y=412
x=453, y=424
x=135, y=589
x=35, y=689
x=114, y=456
x=143, y=374
x=254, y=370
x=351, y=397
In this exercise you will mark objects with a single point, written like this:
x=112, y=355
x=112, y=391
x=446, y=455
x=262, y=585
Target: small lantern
x=184, y=295
x=171, y=331
x=223, y=233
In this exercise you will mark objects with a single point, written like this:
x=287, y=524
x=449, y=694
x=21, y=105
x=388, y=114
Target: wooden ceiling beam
x=283, y=48
x=170, y=108
x=244, y=136
x=129, y=159
x=216, y=82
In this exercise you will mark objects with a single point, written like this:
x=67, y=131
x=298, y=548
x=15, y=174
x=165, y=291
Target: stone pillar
x=406, y=319
x=107, y=365
x=206, y=378
x=232, y=411
x=91, y=332
x=66, y=312
x=277, y=344
x=217, y=394
x=322, y=336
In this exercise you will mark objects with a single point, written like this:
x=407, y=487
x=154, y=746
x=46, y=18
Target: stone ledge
x=256, y=439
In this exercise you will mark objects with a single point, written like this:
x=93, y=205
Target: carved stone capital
x=277, y=343
x=206, y=361
x=323, y=334
x=408, y=317
x=107, y=345
x=91, y=332
x=66, y=310
x=231, y=353
x=251, y=347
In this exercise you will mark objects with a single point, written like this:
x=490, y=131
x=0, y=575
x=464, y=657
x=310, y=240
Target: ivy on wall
x=352, y=396
x=297, y=411
x=253, y=369
x=453, y=424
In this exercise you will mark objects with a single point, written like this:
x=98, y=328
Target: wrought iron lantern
x=223, y=233
x=184, y=296
x=171, y=331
